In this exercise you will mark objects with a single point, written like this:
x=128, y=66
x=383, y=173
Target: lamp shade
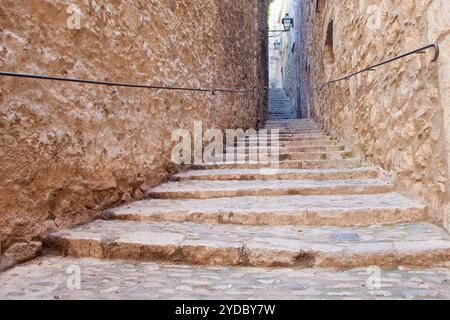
x=288, y=22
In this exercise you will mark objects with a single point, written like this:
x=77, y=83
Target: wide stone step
x=295, y=132
x=330, y=210
x=301, y=136
x=301, y=122
x=206, y=189
x=308, y=143
x=318, y=148
x=254, y=155
x=290, y=128
x=297, y=137
x=416, y=244
x=281, y=112
x=285, y=144
x=281, y=174
x=288, y=139
x=282, y=117
x=286, y=164
x=314, y=155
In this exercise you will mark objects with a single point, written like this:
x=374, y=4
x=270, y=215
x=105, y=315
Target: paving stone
x=208, y=283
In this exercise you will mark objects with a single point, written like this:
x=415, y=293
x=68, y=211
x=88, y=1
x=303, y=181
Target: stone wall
x=69, y=151
x=291, y=58
x=292, y=63
x=397, y=117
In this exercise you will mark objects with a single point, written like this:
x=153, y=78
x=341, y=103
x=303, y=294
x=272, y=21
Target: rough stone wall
x=291, y=58
x=396, y=117
x=262, y=56
x=68, y=151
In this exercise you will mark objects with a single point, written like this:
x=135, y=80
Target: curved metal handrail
x=372, y=68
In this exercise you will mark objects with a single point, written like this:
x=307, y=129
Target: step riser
x=282, y=140
x=298, y=156
x=290, y=144
x=283, y=150
x=208, y=194
x=326, y=164
x=313, y=156
x=242, y=255
x=293, y=133
x=312, y=143
x=315, y=218
x=286, y=133
x=285, y=176
x=291, y=156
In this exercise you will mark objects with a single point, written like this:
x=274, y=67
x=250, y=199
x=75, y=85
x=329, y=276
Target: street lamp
x=288, y=22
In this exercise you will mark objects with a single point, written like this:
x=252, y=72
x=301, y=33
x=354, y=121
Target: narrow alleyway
x=271, y=150
x=280, y=106
x=236, y=231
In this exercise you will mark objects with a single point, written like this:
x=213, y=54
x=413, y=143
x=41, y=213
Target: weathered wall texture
x=291, y=65
x=291, y=61
x=397, y=116
x=68, y=150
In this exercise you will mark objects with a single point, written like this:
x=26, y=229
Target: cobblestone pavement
x=50, y=277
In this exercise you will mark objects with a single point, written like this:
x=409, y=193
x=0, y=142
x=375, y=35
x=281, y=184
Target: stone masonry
x=69, y=151
x=397, y=116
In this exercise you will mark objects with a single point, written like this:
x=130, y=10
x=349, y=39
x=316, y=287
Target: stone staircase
x=281, y=107
x=322, y=208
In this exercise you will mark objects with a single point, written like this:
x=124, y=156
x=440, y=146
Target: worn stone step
x=275, y=115
x=289, y=126
x=284, y=143
x=329, y=210
x=281, y=174
x=318, y=148
x=415, y=244
x=330, y=155
x=287, y=139
x=283, y=118
x=300, y=132
x=308, y=143
x=253, y=154
x=281, y=111
x=207, y=189
x=286, y=164
x=293, y=127
x=299, y=122
x=294, y=130
x=298, y=137
x=302, y=136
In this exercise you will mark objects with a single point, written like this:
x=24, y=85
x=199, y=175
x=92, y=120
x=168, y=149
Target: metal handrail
x=118, y=84
x=372, y=68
